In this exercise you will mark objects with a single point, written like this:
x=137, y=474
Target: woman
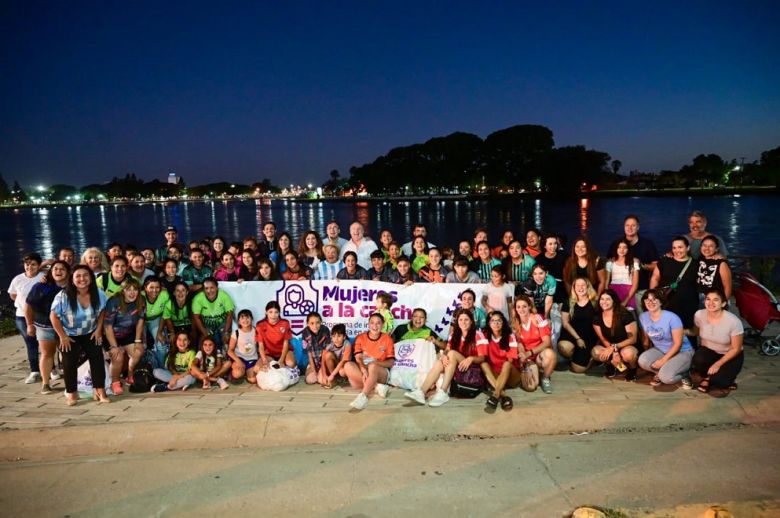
x=500, y=367
x=578, y=336
x=616, y=330
x=138, y=270
x=157, y=299
x=95, y=259
x=273, y=336
x=501, y=251
x=113, y=281
x=419, y=256
x=668, y=352
x=124, y=329
x=714, y=270
x=466, y=346
x=39, y=302
x=283, y=245
x=227, y=271
x=517, y=264
x=585, y=262
x=170, y=277
x=266, y=271
x=212, y=312
x=310, y=249
x=248, y=269
x=177, y=318
x=533, y=242
x=295, y=271
x=554, y=260
x=541, y=288
x=534, y=333
x=352, y=270
x=385, y=240
x=676, y=278
x=434, y=271
x=217, y=248
x=623, y=273
x=719, y=359
x=77, y=317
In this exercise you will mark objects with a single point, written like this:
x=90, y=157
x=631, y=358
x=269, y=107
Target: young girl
x=623, y=273
x=207, y=366
x=283, y=245
x=242, y=349
x=517, y=264
x=177, y=315
x=295, y=271
x=124, y=328
x=541, y=288
x=157, y=300
x=227, y=270
x=176, y=375
x=316, y=338
x=266, y=270
x=393, y=254
x=419, y=256
x=434, y=271
x=500, y=366
x=248, y=270
x=337, y=354
x=170, y=276
x=497, y=296
x=273, y=337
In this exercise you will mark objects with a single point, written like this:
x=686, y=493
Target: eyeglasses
x=650, y=299
x=496, y=321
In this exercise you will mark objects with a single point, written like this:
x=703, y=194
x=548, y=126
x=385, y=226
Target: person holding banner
x=466, y=347
x=374, y=356
x=416, y=328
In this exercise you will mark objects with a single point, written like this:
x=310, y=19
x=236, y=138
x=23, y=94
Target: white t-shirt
x=620, y=273
x=497, y=295
x=21, y=286
x=718, y=336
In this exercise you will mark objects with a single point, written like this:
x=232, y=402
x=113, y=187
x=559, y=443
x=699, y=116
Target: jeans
x=158, y=352
x=673, y=370
x=31, y=342
x=70, y=362
x=165, y=376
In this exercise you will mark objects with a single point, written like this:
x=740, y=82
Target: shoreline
x=621, y=193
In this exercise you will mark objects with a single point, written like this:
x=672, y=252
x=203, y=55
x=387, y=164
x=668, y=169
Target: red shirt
x=532, y=335
x=497, y=356
x=380, y=349
x=272, y=337
x=478, y=348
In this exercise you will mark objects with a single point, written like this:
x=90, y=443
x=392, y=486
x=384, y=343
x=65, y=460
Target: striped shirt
x=327, y=271
x=520, y=272
x=483, y=269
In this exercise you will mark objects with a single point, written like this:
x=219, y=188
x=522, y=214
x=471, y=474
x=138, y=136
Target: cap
x=171, y=228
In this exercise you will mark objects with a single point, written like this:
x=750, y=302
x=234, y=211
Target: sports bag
x=467, y=384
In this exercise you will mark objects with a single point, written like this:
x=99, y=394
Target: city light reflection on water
x=746, y=222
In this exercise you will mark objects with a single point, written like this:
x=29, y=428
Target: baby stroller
x=759, y=307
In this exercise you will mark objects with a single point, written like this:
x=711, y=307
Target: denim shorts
x=45, y=333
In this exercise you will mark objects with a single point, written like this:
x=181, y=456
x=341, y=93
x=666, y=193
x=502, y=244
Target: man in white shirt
x=360, y=244
x=18, y=290
x=332, y=236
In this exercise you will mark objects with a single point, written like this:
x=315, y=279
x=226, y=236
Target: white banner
x=349, y=302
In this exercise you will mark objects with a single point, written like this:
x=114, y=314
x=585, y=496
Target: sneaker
x=382, y=390
x=116, y=388
x=222, y=383
x=439, y=398
x=34, y=377
x=46, y=389
x=546, y=385
x=160, y=387
x=416, y=395
x=129, y=380
x=655, y=381
x=610, y=371
x=631, y=375
x=687, y=384
x=55, y=375
x=360, y=402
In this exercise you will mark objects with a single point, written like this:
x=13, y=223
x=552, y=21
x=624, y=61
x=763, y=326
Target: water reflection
x=46, y=248
x=584, y=204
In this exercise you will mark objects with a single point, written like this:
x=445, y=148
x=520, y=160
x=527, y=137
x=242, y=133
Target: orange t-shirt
x=380, y=349
x=272, y=337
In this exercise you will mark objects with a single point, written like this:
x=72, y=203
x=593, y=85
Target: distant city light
x=41, y=188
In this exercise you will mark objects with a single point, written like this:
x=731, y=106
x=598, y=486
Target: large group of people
x=631, y=310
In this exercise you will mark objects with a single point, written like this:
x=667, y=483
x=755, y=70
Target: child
x=461, y=273
x=498, y=294
x=403, y=273
x=383, y=304
x=623, y=273
x=316, y=338
x=207, y=366
x=377, y=271
x=18, y=290
x=337, y=354
x=243, y=349
x=374, y=357
x=170, y=277
x=176, y=375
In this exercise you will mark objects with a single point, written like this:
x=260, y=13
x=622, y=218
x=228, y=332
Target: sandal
x=506, y=403
x=704, y=386
x=491, y=405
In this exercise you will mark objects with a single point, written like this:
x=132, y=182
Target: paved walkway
x=42, y=426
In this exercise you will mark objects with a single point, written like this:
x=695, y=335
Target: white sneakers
x=55, y=374
x=222, y=383
x=382, y=390
x=416, y=395
x=34, y=377
x=360, y=402
x=439, y=398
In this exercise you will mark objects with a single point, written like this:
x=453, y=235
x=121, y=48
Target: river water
x=746, y=222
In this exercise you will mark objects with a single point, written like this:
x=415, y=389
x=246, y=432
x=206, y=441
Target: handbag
x=467, y=384
x=667, y=291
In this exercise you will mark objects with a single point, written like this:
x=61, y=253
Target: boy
x=383, y=304
x=378, y=270
x=337, y=354
x=19, y=288
x=461, y=272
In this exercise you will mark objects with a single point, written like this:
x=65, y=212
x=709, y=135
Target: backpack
x=143, y=379
x=468, y=384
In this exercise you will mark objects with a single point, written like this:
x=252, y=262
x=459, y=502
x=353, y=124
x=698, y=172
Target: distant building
x=173, y=178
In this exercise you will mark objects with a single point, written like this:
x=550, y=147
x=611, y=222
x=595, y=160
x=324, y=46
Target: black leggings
x=703, y=359
x=70, y=362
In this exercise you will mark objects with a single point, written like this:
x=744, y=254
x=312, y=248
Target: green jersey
x=213, y=313
x=155, y=309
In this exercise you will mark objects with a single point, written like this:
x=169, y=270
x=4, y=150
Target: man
x=418, y=230
x=196, y=272
x=697, y=223
x=642, y=249
x=360, y=244
x=171, y=235
x=332, y=236
x=268, y=244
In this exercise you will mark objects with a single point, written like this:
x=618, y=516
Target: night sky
x=242, y=91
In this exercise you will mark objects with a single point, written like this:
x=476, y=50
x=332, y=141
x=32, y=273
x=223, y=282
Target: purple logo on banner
x=297, y=300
